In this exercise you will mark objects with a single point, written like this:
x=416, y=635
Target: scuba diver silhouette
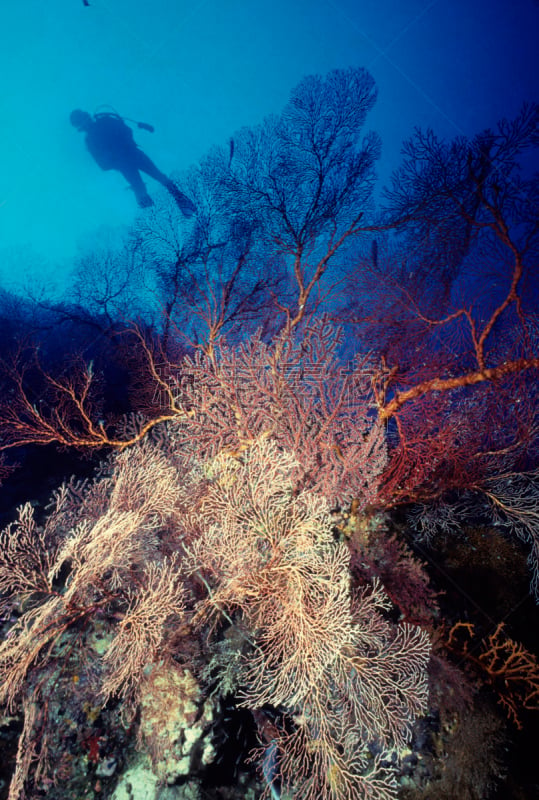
x=111, y=144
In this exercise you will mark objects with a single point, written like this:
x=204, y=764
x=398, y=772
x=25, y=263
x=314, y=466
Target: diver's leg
x=146, y=165
x=132, y=176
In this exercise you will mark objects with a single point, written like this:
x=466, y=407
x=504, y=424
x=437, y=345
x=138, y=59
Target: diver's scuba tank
x=144, y=126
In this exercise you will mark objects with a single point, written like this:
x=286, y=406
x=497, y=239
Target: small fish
x=374, y=253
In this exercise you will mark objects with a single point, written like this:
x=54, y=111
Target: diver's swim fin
x=144, y=201
x=182, y=201
x=186, y=206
